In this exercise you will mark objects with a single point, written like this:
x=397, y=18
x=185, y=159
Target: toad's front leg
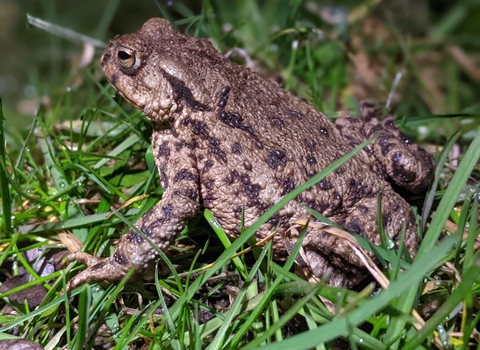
x=161, y=224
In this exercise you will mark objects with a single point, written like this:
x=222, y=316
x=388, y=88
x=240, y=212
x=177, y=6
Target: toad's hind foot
x=99, y=269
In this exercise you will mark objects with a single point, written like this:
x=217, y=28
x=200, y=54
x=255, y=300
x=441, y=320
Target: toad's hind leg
x=331, y=255
x=407, y=165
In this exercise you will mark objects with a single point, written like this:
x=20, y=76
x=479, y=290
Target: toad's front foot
x=106, y=269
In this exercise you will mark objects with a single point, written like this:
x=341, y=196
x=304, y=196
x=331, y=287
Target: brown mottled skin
x=226, y=139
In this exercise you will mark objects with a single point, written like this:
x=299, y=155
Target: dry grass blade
x=63, y=32
x=260, y=243
x=466, y=62
x=71, y=242
x=130, y=201
x=359, y=251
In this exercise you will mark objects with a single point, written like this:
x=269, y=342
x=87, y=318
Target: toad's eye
x=124, y=55
x=127, y=59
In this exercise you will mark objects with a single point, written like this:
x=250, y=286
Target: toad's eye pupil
x=123, y=55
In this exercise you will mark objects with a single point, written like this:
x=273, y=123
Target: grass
x=88, y=177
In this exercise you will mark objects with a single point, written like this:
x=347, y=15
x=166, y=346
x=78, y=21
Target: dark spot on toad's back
x=236, y=148
x=386, y=220
x=324, y=131
x=235, y=120
x=276, y=158
x=387, y=148
x=296, y=115
x=356, y=226
x=200, y=128
x=274, y=219
x=217, y=151
x=389, y=124
x=340, y=170
x=214, y=142
x=278, y=123
x=163, y=177
x=385, y=145
x=247, y=165
x=184, y=174
x=230, y=178
x=163, y=150
x=405, y=139
x=258, y=144
x=311, y=159
x=310, y=172
x=366, y=190
x=189, y=193
x=374, y=130
x=134, y=238
x=167, y=212
x=369, y=150
x=208, y=164
x=223, y=97
x=309, y=144
x=186, y=121
x=396, y=157
x=363, y=209
x=207, y=183
x=324, y=185
x=252, y=190
x=225, y=90
x=288, y=185
x=318, y=206
x=98, y=266
x=183, y=144
x=119, y=258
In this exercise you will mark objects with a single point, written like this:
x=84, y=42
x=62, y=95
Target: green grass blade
x=465, y=168
x=342, y=326
x=427, y=206
x=469, y=278
x=406, y=300
x=292, y=311
x=237, y=304
x=225, y=240
x=4, y=187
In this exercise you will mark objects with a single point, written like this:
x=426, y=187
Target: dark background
x=414, y=37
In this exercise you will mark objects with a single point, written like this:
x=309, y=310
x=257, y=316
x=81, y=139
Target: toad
x=228, y=140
